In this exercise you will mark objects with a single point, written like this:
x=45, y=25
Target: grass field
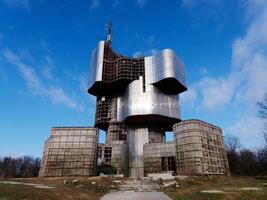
x=232, y=188
x=94, y=187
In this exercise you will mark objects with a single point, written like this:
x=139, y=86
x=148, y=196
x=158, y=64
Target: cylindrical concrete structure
x=70, y=151
x=137, y=137
x=200, y=148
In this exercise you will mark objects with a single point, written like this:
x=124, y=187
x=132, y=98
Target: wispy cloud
x=193, y=3
x=148, y=52
x=248, y=71
x=25, y=4
x=148, y=43
x=115, y=3
x=248, y=129
x=55, y=94
x=246, y=82
x=148, y=40
x=141, y=3
x=47, y=67
x=94, y=4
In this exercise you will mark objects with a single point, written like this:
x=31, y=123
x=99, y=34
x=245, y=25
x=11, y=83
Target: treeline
x=245, y=162
x=25, y=166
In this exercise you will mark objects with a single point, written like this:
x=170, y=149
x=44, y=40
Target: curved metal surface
x=96, y=66
x=135, y=102
x=148, y=95
x=163, y=65
x=163, y=69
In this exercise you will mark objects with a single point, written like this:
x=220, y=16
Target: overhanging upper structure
x=137, y=97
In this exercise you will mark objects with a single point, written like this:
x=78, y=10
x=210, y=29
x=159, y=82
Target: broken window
x=107, y=154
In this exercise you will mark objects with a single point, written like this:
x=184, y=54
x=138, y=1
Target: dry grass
x=83, y=188
x=191, y=188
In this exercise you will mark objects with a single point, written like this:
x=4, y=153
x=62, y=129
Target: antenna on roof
x=108, y=30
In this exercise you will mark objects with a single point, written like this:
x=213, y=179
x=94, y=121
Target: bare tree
x=24, y=166
x=248, y=162
x=262, y=160
x=232, y=143
x=262, y=110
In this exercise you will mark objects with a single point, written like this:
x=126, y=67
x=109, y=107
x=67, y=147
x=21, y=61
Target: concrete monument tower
x=137, y=99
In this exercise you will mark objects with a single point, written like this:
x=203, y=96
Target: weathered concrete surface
x=163, y=176
x=142, y=185
x=131, y=195
x=136, y=137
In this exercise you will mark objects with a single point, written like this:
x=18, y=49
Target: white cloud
x=246, y=82
x=147, y=40
x=115, y=3
x=141, y=3
x=47, y=68
x=152, y=51
x=216, y=93
x=26, y=71
x=189, y=97
x=248, y=129
x=203, y=71
x=25, y=4
x=148, y=52
x=94, y=4
x=198, y=2
x=137, y=54
x=58, y=96
x=53, y=93
x=247, y=74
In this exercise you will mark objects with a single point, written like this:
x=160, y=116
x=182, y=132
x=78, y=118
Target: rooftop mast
x=108, y=29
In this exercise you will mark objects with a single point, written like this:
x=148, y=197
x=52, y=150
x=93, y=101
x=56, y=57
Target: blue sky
x=45, y=51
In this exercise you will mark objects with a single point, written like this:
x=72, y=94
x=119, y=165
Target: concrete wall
x=137, y=137
x=153, y=154
x=200, y=148
x=70, y=151
x=118, y=161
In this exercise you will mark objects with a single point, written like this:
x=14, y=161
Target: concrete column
x=137, y=137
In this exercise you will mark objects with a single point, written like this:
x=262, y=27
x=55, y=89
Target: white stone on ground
x=169, y=184
x=163, y=176
x=116, y=181
x=213, y=191
x=250, y=188
x=181, y=177
x=41, y=186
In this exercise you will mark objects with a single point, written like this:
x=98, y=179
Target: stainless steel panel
x=137, y=137
x=164, y=64
x=153, y=101
x=96, y=66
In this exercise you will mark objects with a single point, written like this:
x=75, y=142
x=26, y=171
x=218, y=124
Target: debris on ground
x=250, y=188
x=212, y=191
x=163, y=176
x=168, y=184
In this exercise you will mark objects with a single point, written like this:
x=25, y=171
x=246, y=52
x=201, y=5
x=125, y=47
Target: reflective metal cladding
x=146, y=89
x=137, y=98
x=96, y=66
